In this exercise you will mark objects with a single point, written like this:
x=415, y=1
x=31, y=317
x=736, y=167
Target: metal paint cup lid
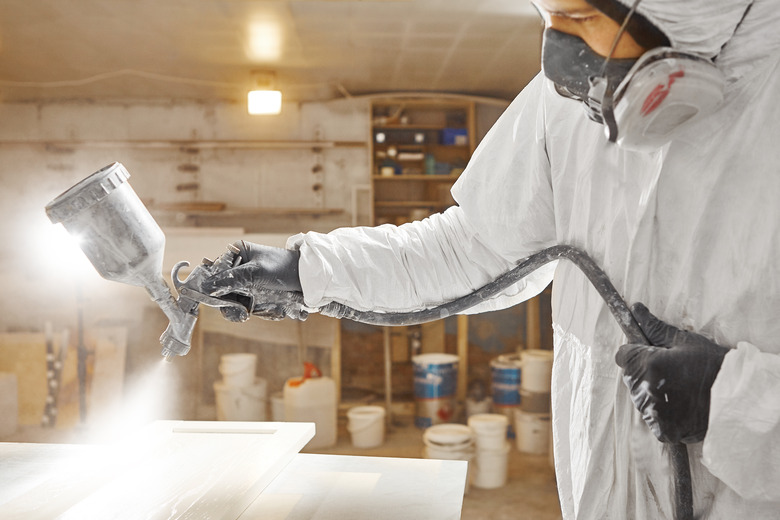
x=87, y=192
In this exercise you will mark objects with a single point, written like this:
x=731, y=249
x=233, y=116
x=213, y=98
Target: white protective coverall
x=691, y=230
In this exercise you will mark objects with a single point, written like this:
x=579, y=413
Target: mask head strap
x=600, y=101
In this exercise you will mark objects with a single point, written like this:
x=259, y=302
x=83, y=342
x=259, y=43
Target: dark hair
x=644, y=32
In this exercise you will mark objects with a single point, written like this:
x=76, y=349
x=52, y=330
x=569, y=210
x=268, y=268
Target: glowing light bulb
x=264, y=102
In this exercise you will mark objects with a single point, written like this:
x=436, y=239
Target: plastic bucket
x=533, y=402
x=505, y=380
x=537, y=370
x=489, y=430
x=241, y=403
x=533, y=432
x=435, y=380
x=491, y=467
x=238, y=369
x=450, y=442
x=366, y=425
x=449, y=437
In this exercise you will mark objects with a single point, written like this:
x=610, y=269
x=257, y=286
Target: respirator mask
x=642, y=103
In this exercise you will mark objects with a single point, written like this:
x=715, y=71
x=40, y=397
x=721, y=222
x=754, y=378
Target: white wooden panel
x=336, y=487
x=171, y=470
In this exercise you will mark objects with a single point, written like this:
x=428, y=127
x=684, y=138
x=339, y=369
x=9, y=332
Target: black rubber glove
x=670, y=382
x=266, y=275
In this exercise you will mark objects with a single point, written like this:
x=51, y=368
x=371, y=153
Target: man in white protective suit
x=670, y=180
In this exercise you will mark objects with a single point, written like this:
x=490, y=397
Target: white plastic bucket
x=489, y=430
x=449, y=437
x=491, y=467
x=533, y=432
x=435, y=380
x=241, y=403
x=238, y=369
x=450, y=442
x=277, y=406
x=366, y=426
x=537, y=370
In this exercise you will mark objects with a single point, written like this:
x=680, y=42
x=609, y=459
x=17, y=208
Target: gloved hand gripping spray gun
x=124, y=244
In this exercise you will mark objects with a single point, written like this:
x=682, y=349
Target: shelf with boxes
x=419, y=148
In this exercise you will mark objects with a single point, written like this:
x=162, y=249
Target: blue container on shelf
x=454, y=136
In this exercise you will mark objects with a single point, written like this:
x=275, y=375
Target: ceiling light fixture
x=265, y=99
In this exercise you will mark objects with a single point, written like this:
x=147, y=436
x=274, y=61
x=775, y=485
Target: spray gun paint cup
x=123, y=242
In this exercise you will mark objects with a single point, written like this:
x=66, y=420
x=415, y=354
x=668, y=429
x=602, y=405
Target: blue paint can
x=435, y=382
x=505, y=380
x=506, y=375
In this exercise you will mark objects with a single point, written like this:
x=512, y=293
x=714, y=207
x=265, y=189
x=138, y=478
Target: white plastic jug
x=312, y=398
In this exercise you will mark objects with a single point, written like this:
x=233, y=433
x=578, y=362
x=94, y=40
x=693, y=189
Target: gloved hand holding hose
x=670, y=380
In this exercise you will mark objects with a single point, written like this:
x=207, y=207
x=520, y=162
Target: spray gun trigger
x=177, y=283
x=189, y=289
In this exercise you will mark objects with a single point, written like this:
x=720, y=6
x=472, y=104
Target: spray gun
x=124, y=244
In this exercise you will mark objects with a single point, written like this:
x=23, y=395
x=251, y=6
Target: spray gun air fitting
x=124, y=244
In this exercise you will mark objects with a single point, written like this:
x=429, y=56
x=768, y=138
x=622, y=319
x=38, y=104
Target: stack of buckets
x=492, y=449
x=532, y=418
x=435, y=381
x=450, y=442
x=505, y=387
x=240, y=395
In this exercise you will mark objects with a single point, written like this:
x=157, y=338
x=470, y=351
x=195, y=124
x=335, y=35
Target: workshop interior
x=139, y=141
